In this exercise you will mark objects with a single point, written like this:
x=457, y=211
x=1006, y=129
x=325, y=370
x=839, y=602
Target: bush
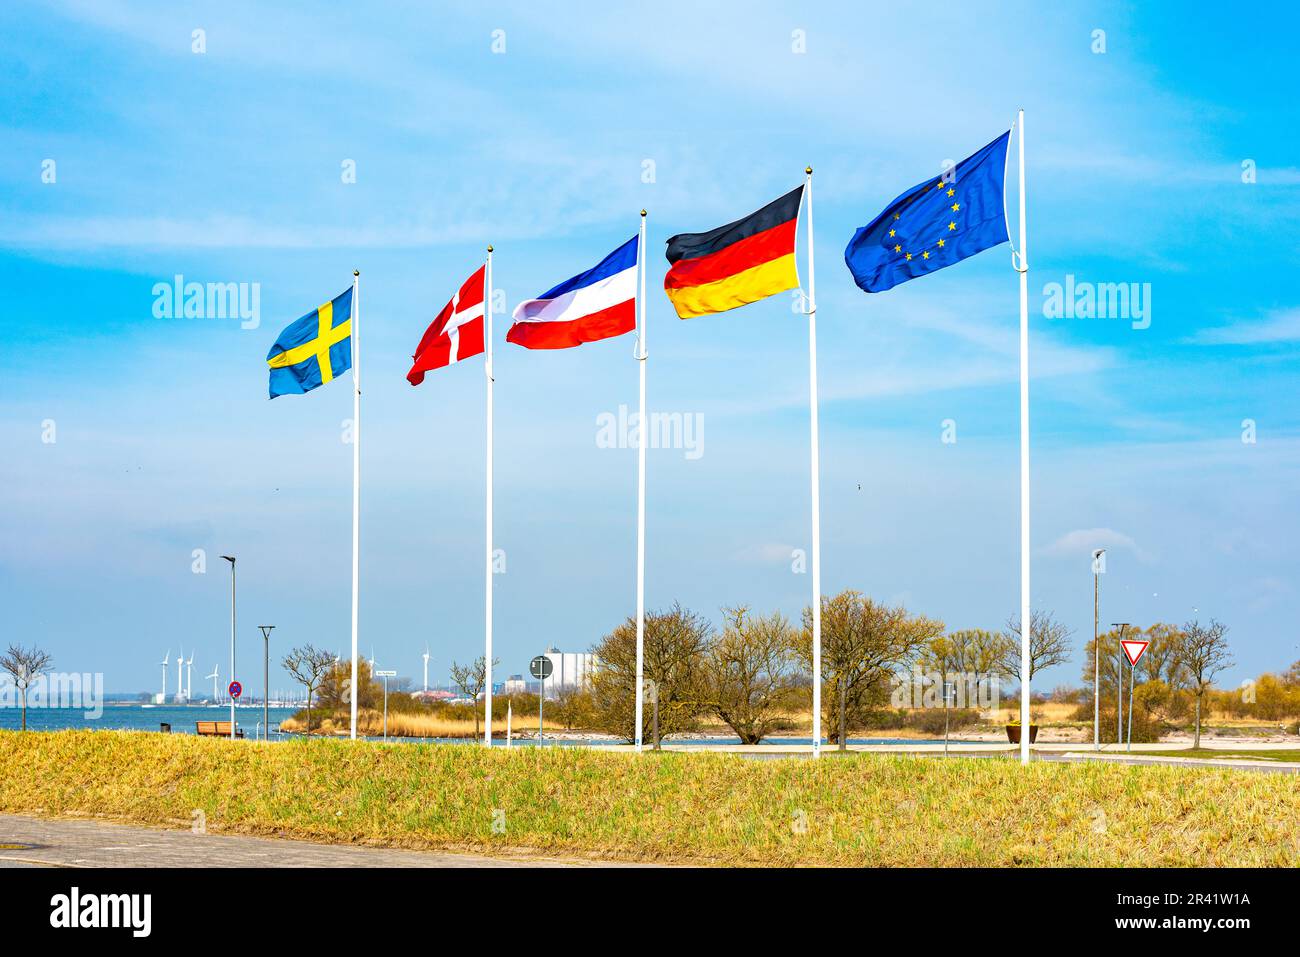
x=1146, y=728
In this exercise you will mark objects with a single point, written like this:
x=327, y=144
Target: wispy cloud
x=1279, y=326
x=1082, y=541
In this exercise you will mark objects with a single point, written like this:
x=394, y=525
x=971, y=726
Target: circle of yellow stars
x=952, y=223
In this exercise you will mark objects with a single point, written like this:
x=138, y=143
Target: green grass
x=1281, y=754
x=861, y=810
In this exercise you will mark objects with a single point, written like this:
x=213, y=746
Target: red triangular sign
x=1134, y=649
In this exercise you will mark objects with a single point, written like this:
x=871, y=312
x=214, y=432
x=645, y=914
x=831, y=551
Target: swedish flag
x=314, y=349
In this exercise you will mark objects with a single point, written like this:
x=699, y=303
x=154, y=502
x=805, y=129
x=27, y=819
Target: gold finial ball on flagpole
x=643, y=213
x=808, y=170
x=489, y=247
x=356, y=272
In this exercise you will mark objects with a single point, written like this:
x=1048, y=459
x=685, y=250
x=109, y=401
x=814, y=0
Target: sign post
x=385, y=675
x=1133, y=651
x=540, y=668
x=235, y=689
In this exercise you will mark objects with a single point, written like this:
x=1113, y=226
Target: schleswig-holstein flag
x=934, y=224
x=597, y=304
x=314, y=349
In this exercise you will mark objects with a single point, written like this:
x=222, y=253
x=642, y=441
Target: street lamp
x=266, y=678
x=1119, y=684
x=231, y=559
x=1098, y=563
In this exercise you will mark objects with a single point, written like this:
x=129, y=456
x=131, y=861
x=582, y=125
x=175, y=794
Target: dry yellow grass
x=1049, y=712
x=859, y=810
x=407, y=725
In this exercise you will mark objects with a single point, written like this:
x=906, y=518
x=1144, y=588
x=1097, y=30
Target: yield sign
x=1134, y=649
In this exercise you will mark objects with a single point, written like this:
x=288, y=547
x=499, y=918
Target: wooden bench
x=215, y=729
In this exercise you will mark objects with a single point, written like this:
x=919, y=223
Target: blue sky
x=225, y=166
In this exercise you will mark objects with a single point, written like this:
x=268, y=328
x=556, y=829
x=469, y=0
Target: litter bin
x=164, y=727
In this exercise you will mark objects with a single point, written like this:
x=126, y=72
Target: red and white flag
x=456, y=333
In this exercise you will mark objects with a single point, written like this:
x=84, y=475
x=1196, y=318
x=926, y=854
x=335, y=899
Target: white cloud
x=1280, y=326
x=766, y=553
x=1082, y=541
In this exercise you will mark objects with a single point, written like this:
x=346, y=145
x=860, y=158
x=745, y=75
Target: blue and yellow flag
x=314, y=349
x=934, y=224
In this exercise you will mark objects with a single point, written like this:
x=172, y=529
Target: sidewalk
x=70, y=843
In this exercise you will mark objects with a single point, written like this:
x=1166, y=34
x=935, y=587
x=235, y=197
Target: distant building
x=430, y=696
x=515, y=684
x=569, y=669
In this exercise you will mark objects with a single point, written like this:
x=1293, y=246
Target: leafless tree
x=1049, y=644
x=973, y=653
x=471, y=679
x=675, y=643
x=308, y=665
x=748, y=671
x=25, y=665
x=1204, y=653
x=863, y=644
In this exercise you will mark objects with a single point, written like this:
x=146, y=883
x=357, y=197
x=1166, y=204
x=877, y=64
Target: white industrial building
x=569, y=669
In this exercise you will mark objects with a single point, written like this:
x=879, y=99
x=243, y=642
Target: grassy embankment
x=701, y=808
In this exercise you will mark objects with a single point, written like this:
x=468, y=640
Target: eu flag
x=314, y=349
x=934, y=224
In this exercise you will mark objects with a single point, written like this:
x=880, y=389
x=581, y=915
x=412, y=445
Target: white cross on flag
x=456, y=333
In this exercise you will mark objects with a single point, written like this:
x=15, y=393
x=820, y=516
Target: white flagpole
x=816, y=483
x=640, y=493
x=1026, y=616
x=356, y=480
x=487, y=620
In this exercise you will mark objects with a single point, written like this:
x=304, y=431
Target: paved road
x=1237, y=764
x=61, y=843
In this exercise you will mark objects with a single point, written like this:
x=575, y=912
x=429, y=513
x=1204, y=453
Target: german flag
x=739, y=263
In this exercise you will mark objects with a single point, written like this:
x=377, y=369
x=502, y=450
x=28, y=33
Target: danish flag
x=456, y=333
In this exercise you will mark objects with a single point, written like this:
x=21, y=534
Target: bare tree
x=308, y=665
x=471, y=679
x=675, y=644
x=1049, y=644
x=25, y=665
x=1204, y=653
x=747, y=671
x=972, y=653
x=863, y=644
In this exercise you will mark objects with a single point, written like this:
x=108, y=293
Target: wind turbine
x=426, y=669
x=213, y=676
x=167, y=660
x=189, y=677
x=180, y=665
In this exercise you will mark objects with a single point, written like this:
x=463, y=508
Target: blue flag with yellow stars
x=314, y=349
x=934, y=224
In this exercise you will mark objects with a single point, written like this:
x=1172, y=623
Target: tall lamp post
x=1098, y=563
x=231, y=559
x=266, y=679
x=1119, y=684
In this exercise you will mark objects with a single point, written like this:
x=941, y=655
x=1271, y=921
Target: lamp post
x=1119, y=684
x=266, y=679
x=1098, y=563
x=231, y=559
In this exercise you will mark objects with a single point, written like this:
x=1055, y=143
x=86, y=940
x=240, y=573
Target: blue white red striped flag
x=597, y=304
